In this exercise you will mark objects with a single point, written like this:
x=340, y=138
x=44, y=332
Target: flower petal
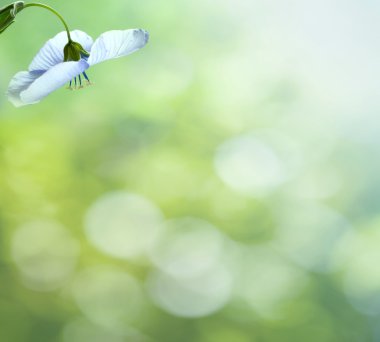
x=52, y=52
x=83, y=39
x=114, y=44
x=21, y=81
x=51, y=80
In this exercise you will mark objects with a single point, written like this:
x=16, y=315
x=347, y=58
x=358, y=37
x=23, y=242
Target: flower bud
x=73, y=51
x=8, y=14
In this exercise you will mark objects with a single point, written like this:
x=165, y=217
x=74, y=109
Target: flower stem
x=53, y=11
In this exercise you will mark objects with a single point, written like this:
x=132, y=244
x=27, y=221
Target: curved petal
x=114, y=44
x=49, y=81
x=21, y=81
x=83, y=39
x=52, y=52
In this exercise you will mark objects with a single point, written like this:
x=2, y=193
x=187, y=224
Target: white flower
x=48, y=72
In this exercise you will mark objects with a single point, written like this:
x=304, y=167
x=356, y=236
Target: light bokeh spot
x=81, y=330
x=308, y=233
x=254, y=166
x=123, y=225
x=108, y=296
x=267, y=281
x=191, y=297
x=318, y=183
x=357, y=257
x=187, y=247
x=45, y=254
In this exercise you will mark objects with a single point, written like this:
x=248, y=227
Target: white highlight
x=123, y=225
x=191, y=279
x=308, y=234
x=267, y=281
x=83, y=331
x=357, y=257
x=193, y=297
x=108, y=296
x=45, y=253
x=251, y=166
x=187, y=248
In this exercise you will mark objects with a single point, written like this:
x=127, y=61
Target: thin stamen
x=85, y=76
x=70, y=87
x=80, y=81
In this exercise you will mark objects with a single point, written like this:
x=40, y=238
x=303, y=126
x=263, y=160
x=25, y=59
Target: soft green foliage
x=220, y=185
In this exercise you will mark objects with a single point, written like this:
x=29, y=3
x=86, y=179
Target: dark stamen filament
x=85, y=76
x=74, y=80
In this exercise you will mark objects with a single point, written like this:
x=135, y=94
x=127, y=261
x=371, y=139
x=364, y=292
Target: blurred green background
x=220, y=185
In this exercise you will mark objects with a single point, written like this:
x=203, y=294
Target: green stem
x=53, y=11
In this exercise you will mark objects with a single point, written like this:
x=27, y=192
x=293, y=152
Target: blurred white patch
x=191, y=297
x=172, y=77
x=81, y=330
x=187, y=248
x=45, y=254
x=123, y=225
x=192, y=278
x=319, y=182
x=358, y=257
x=255, y=166
x=308, y=234
x=267, y=281
x=84, y=331
x=108, y=296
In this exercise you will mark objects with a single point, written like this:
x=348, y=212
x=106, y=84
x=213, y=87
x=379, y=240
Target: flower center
x=74, y=51
x=76, y=82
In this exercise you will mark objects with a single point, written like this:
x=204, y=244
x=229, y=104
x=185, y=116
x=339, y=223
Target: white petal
x=83, y=39
x=52, y=52
x=19, y=83
x=114, y=44
x=51, y=80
